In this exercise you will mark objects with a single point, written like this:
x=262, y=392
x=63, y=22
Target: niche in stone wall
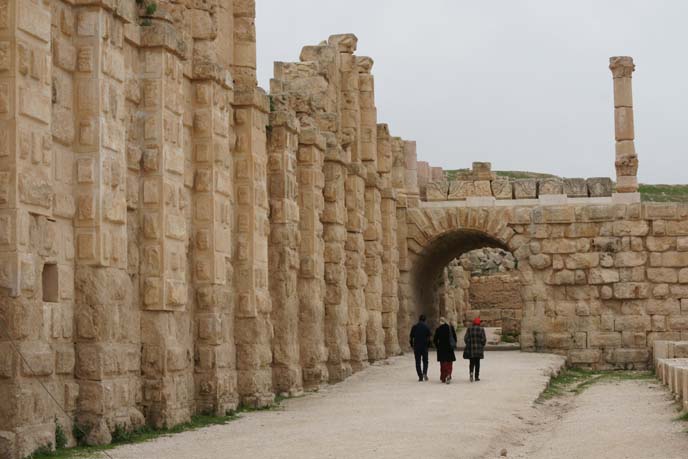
x=50, y=283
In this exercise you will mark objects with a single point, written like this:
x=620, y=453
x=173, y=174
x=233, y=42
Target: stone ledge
x=625, y=198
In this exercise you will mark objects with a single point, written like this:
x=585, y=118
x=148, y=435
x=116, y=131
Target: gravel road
x=382, y=412
x=613, y=420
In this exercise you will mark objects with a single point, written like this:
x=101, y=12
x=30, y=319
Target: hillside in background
x=648, y=193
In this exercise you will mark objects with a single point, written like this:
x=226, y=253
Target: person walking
x=445, y=342
x=419, y=338
x=475, y=340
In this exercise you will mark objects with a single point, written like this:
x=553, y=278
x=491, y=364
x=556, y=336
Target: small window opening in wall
x=50, y=283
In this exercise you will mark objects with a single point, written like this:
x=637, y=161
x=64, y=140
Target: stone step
x=671, y=367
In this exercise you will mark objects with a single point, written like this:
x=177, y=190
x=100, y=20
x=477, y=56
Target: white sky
x=521, y=83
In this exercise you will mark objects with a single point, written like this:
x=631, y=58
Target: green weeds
x=575, y=381
x=123, y=436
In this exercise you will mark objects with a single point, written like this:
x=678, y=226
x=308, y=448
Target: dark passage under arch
x=435, y=257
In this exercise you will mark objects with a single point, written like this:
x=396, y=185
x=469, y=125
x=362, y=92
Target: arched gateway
x=600, y=281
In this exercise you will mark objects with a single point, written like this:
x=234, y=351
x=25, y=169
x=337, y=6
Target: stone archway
x=435, y=236
x=435, y=257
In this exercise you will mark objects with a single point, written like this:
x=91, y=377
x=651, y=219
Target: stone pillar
x=406, y=311
x=375, y=338
x=390, y=249
x=214, y=351
x=626, y=163
x=165, y=321
x=411, y=173
x=107, y=347
x=424, y=177
x=311, y=287
x=253, y=327
x=335, y=235
x=210, y=142
x=32, y=313
x=284, y=251
x=334, y=217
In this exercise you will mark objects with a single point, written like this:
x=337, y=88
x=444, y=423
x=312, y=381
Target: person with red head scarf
x=475, y=340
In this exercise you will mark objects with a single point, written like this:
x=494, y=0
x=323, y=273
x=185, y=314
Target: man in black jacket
x=419, y=338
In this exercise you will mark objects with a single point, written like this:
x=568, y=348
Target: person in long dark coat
x=445, y=342
x=475, y=340
x=419, y=339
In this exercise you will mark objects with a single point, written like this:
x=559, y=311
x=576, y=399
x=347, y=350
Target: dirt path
x=614, y=420
x=382, y=412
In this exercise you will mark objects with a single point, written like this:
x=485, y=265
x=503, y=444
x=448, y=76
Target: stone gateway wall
x=600, y=283
x=497, y=300
x=175, y=241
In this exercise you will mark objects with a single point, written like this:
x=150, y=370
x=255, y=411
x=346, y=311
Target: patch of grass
x=41, y=451
x=576, y=380
x=510, y=338
x=683, y=417
x=122, y=436
x=663, y=193
x=523, y=174
x=60, y=436
x=452, y=173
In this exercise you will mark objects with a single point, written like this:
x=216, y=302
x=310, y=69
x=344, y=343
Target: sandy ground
x=614, y=420
x=381, y=412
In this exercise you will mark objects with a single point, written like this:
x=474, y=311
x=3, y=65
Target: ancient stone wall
x=481, y=182
x=497, y=300
x=346, y=248
x=174, y=241
x=481, y=283
x=600, y=283
x=133, y=216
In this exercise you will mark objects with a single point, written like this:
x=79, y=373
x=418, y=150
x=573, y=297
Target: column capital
x=621, y=66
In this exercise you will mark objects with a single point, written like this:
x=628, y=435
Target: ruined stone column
x=253, y=328
x=165, y=322
x=390, y=249
x=335, y=235
x=34, y=310
x=406, y=312
x=208, y=121
x=626, y=163
x=350, y=140
x=311, y=286
x=284, y=250
x=372, y=235
x=215, y=377
x=334, y=216
x=411, y=173
x=105, y=308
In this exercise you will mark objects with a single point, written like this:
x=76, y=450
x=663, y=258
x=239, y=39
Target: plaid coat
x=475, y=340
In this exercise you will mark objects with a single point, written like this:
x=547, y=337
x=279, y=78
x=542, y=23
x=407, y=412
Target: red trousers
x=445, y=370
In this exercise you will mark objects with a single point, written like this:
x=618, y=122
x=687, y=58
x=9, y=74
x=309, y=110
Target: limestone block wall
x=497, y=300
x=134, y=218
x=481, y=182
x=600, y=283
x=346, y=250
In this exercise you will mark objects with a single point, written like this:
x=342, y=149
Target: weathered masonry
x=174, y=241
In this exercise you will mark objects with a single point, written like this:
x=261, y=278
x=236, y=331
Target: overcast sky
x=523, y=84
